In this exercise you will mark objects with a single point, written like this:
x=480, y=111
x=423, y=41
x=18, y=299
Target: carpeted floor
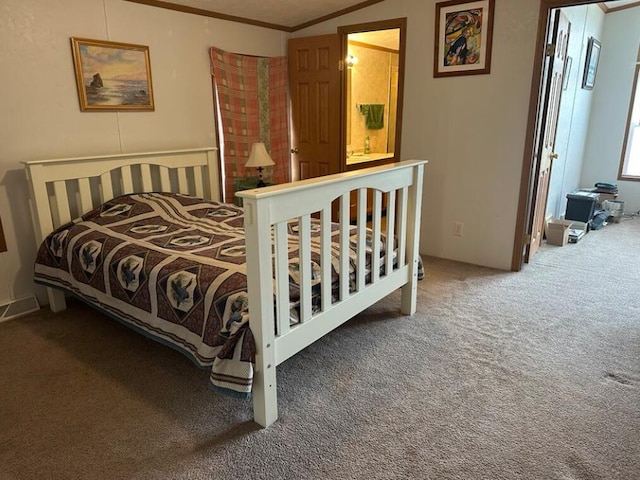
x=530, y=375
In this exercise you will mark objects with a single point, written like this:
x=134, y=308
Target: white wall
x=575, y=109
x=614, y=79
x=40, y=116
x=471, y=129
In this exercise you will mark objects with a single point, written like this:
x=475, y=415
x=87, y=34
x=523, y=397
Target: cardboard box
x=602, y=196
x=606, y=196
x=558, y=231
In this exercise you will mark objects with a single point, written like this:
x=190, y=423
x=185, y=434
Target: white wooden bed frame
x=64, y=189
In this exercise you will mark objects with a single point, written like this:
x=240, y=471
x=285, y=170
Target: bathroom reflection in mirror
x=372, y=94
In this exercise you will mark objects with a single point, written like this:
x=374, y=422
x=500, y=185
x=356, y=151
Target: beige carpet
x=534, y=375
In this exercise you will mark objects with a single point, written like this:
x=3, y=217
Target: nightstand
x=245, y=183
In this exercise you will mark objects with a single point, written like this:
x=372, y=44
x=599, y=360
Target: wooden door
x=548, y=124
x=314, y=84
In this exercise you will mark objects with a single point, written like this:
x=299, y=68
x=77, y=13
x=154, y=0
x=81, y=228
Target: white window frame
x=630, y=161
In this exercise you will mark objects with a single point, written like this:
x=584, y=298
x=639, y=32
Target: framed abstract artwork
x=591, y=64
x=464, y=32
x=112, y=76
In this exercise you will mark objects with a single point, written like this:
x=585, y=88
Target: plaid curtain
x=251, y=95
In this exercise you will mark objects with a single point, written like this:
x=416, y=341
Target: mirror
x=371, y=95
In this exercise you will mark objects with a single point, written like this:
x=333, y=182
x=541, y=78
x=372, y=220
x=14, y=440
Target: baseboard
x=17, y=308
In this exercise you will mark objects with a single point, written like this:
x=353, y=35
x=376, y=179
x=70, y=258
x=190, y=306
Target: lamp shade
x=259, y=157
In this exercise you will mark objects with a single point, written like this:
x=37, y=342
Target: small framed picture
x=464, y=32
x=112, y=76
x=591, y=64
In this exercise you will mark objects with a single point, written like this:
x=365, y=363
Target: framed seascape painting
x=463, y=37
x=591, y=64
x=112, y=76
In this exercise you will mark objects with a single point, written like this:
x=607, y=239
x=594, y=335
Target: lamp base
x=260, y=180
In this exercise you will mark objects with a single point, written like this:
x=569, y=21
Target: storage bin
x=580, y=206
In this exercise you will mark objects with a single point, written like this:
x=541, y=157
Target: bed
x=143, y=238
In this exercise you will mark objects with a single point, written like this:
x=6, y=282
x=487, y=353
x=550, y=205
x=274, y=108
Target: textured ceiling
x=288, y=13
x=383, y=38
x=620, y=3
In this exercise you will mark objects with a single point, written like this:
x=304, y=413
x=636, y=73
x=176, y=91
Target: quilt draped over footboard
x=172, y=267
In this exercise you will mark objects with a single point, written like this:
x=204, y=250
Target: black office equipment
x=580, y=206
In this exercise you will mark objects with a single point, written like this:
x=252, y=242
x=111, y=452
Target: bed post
x=42, y=224
x=410, y=290
x=261, y=318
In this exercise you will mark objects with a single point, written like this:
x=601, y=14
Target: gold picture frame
x=464, y=31
x=112, y=76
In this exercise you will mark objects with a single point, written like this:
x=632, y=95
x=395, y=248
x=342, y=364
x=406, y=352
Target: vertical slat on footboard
x=62, y=202
x=165, y=181
x=197, y=176
x=344, y=246
x=325, y=258
x=402, y=227
x=84, y=188
x=106, y=188
x=375, y=245
x=145, y=173
x=361, y=253
x=127, y=179
x=183, y=185
x=391, y=231
x=304, y=227
x=282, y=277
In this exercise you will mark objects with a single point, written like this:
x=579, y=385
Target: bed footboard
x=376, y=270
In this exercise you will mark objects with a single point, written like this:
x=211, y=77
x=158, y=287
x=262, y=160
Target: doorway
x=372, y=92
x=319, y=80
x=532, y=163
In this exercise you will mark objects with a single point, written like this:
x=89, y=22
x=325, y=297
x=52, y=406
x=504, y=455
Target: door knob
x=294, y=150
x=553, y=156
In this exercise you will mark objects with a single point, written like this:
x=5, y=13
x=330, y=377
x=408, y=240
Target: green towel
x=374, y=113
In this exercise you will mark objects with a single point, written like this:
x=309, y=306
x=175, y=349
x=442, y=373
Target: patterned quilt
x=172, y=267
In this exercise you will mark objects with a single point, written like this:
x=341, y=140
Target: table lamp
x=259, y=158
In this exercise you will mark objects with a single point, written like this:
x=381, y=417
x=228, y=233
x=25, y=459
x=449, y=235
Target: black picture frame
x=591, y=64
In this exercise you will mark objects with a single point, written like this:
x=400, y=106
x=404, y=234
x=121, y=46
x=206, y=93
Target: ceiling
x=382, y=38
x=287, y=15
x=291, y=15
x=621, y=3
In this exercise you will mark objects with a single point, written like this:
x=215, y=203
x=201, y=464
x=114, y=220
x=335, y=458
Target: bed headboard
x=63, y=189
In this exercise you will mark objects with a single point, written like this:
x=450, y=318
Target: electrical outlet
x=458, y=228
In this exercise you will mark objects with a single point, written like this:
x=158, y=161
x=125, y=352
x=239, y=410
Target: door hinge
x=341, y=65
x=551, y=49
x=527, y=239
